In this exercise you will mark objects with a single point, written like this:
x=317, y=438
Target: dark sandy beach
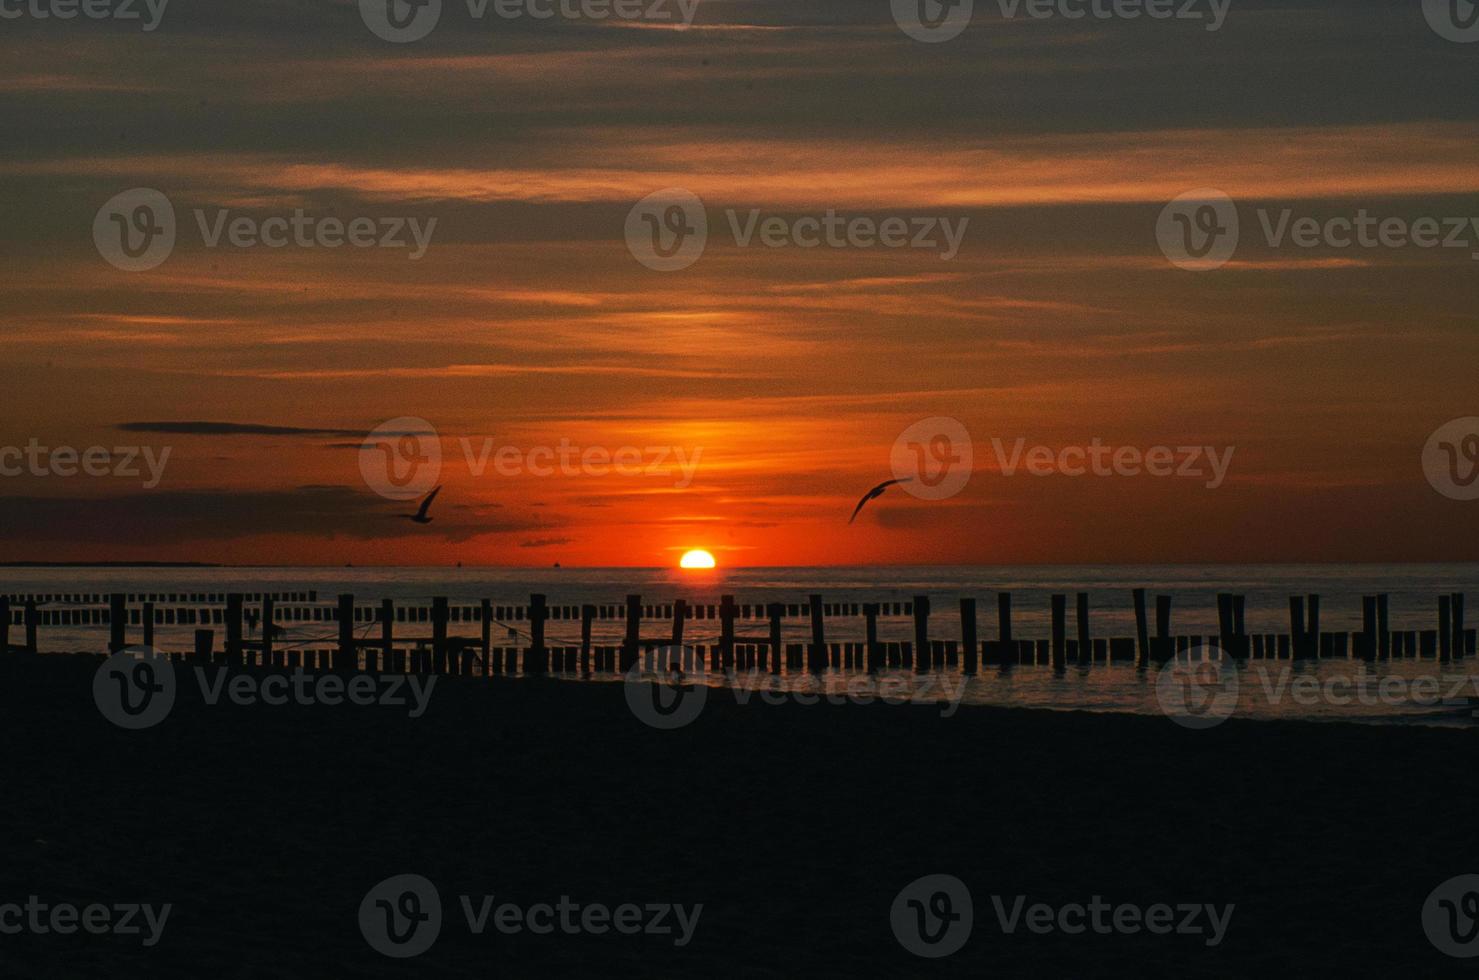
x=795, y=826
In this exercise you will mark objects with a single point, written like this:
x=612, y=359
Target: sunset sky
x=789, y=371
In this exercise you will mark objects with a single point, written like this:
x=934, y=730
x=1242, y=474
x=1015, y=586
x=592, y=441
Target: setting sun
x=698, y=558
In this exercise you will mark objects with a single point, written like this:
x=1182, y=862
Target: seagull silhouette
x=874, y=494
x=420, y=516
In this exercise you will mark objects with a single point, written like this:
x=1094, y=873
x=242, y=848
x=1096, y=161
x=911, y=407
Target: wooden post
x=629, y=651
x=204, y=641
x=1085, y=644
x=727, y=613
x=146, y=619
x=347, y=658
x=537, y=660
x=921, y=634
x=1060, y=631
x=1312, y=605
x=587, y=614
x=117, y=622
x=234, y=652
x=1459, y=643
x=1383, y=627
x=775, y=611
x=1004, y=622
x=32, y=620
x=267, y=613
x=1297, y=635
x=968, y=635
x=1142, y=629
x=387, y=635
x=816, y=657
x=4, y=625
x=873, y=653
x=680, y=614
x=1445, y=626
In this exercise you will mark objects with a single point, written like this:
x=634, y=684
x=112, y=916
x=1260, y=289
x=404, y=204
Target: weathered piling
x=346, y=658
x=633, y=640
x=235, y=653
x=1081, y=614
x=1060, y=630
x=816, y=654
x=32, y=621
x=117, y=622
x=776, y=612
x=727, y=613
x=204, y=642
x=1142, y=629
x=1161, y=645
x=267, y=629
x=680, y=619
x=587, y=615
x=1445, y=627
x=922, y=656
x=967, y=637
x=147, y=621
x=4, y=625
x=1298, y=636
x=1383, y=626
x=1004, y=618
x=395, y=661
x=1312, y=604
x=536, y=660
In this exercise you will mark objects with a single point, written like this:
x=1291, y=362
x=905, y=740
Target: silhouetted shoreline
x=795, y=825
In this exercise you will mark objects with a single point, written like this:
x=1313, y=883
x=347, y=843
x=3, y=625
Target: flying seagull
x=420, y=516
x=873, y=494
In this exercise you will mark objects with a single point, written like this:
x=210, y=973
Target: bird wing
x=426, y=504
x=871, y=494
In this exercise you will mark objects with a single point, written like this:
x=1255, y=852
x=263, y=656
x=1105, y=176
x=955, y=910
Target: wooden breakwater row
x=443, y=652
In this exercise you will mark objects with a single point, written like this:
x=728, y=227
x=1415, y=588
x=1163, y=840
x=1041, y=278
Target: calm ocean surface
x=1327, y=689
